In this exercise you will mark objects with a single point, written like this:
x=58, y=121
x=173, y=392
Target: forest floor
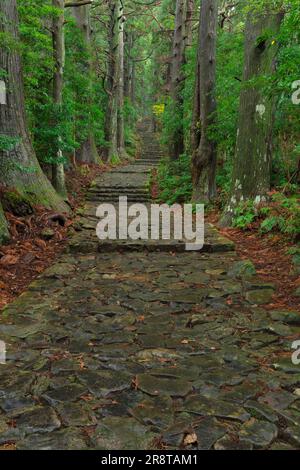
x=273, y=263
x=37, y=240
x=122, y=345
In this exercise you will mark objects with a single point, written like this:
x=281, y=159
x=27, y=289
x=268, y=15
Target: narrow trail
x=141, y=345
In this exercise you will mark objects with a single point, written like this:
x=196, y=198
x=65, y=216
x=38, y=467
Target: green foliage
x=8, y=143
x=83, y=108
x=284, y=215
x=171, y=120
x=244, y=215
x=281, y=214
x=130, y=118
x=174, y=180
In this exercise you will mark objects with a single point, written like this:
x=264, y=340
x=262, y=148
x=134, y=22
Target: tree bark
x=88, y=151
x=19, y=167
x=4, y=233
x=188, y=36
x=58, y=173
x=204, y=159
x=121, y=122
x=115, y=82
x=129, y=68
x=195, y=127
x=252, y=161
x=176, y=147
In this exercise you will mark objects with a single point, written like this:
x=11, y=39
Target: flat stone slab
x=125, y=433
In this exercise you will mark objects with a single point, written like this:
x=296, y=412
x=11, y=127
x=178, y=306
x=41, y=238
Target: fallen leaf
x=40, y=243
x=190, y=439
x=9, y=260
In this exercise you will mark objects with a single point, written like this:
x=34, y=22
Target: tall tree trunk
x=121, y=122
x=4, y=234
x=195, y=127
x=115, y=83
x=88, y=150
x=188, y=36
x=204, y=160
x=58, y=173
x=177, y=138
x=252, y=161
x=129, y=68
x=19, y=166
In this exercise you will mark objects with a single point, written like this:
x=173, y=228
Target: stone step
x=148, y=162
x=112, y=190
x=89, y=243
x=115, y=199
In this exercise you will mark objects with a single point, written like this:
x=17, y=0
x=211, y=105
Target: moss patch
x=17, y=204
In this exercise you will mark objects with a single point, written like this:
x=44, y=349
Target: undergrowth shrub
x=280, y=215
x=174, y=180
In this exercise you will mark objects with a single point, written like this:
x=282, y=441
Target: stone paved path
x=148, y=349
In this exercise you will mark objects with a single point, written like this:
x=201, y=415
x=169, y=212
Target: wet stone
x=279, y=329
x=286, y=316
x=9, y=433
x=154, y=385
x=122, y=433
x=156, y=412
x=76, y=414
x=64, y=365
x=59, y=269
x=278, y=399
x=292, y=435
x=222, y=377
x=208, y=432
x=260, y=296
x=65, y=393
x=242, y=269
x=70, y=439
x=39, y=420
x=259, y=433
x=173, y=436
x=286, y=365
x=202, y=406
x=230, y=443
x=16, y=406
x=279, y=445
x=40, y=385
x=260, y=410
x=104, y=382
x=156, y=353
x=15, y=385
x=241, y=393
x=20, y=331
x=196, y=278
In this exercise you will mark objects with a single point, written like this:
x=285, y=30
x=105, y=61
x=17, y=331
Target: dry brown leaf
x=40, y=243
x=9, y=260
x=190, y=439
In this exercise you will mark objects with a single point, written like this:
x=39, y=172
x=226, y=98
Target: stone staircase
x=133, y=181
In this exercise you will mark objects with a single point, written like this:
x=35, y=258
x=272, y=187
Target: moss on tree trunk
x=4, y=234
x=252, y=162
x=114, y=126
x=204, y=160
x=19, y=167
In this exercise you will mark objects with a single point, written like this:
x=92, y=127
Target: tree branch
x=78, y=4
